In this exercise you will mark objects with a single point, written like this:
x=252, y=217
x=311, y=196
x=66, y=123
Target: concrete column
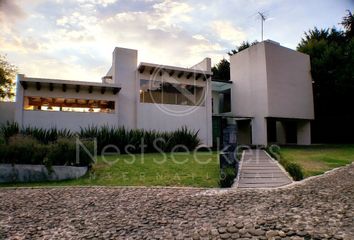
x=281, y=134
x=259, y=131
x=124, y=72
x=19, y=100
x=304, y=133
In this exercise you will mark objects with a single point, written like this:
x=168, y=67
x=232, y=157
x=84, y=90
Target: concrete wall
x=289, y=83
x=270, y=81
x=151, y=116
x=304, y=132
x=7, y=112
x=169, y=117
x=69, y=120
x=124, y=71
x=34, y=173
x=249, y=89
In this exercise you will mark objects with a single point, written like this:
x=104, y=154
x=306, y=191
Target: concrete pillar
x=304, y=133
x=19, y=100
x=259, y=131
x=281, y=134
x=124, y=73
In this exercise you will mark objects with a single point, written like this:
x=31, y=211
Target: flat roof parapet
x=171, y=70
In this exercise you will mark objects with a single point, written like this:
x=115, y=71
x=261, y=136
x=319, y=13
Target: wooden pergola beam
x=142, y=69
x=103, y=90
x=38, y=86
x=115, y=91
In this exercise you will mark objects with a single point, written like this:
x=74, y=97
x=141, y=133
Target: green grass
x=179, y=169
x=316, y=160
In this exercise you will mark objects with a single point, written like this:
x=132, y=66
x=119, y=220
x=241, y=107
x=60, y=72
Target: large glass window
x=171, y=93
x=68, y=104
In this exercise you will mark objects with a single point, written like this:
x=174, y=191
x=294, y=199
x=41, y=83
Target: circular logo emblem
x=175, y=92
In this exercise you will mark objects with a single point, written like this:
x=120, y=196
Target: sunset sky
x=74, y=39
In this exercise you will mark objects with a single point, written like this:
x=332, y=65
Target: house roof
x=171, y=70
x=65, y=84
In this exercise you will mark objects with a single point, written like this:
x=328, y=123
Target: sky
x=74, y=39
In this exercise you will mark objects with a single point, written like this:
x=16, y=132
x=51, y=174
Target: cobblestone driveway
x=320, y=208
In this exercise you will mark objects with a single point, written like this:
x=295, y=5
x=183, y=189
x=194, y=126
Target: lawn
x=153, y=169
x=318, y=159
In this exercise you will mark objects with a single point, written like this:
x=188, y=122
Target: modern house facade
x=270, y=94
x=269, y=97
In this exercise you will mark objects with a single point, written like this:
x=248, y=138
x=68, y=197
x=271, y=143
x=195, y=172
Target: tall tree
x=348, y=24
x=242, y=46
x=221, y=71
x=332, y=59
x=7, y=76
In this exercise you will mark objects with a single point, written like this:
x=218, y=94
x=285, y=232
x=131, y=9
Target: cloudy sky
x=74, y=39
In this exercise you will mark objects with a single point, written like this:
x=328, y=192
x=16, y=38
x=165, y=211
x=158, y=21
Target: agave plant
x=8, y=130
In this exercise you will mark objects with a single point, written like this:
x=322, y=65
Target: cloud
x=227, y=31
x=10, y=11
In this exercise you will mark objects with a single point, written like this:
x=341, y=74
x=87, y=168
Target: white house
x=269, y=96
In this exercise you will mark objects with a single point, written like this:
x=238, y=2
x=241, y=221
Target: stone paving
x=319, y=208
x=259, y=170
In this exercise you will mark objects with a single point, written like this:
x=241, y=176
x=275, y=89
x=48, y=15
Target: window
x=225, y=101
x=68, y=105
x=171, y=93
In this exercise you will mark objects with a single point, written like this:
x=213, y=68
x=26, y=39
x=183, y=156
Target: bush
x=295, y=171
x=8, y=130
x=63, y=152
x=120, y=137
x=27, y=150
x=22, y=150
x=227, y=177
x=46, y=135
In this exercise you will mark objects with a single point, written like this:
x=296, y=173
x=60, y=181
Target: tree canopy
x=7, y=76
x=332, y=60
x=221, y=70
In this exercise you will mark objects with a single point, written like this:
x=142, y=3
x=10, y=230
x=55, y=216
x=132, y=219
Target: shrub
x=227, y=177
x=23, y=150
x=47, y=135
x=8, y=130
x=295, y=171
x=63, y=152
x=27, y=150
x=121, y=138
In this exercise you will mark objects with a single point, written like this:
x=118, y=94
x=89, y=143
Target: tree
x=242, y=46
x=332, y=59
x=347, y=23
x=221, y=71
x=7, y=76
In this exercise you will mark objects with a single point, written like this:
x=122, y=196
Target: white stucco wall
x=68, y=120
x=289, y=83
x=169, y=117
x=150, y=116
x=7, y=112
x=249, y=89
x=270, y=81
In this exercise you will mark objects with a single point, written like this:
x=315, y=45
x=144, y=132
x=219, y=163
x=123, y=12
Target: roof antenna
x=263, y=18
